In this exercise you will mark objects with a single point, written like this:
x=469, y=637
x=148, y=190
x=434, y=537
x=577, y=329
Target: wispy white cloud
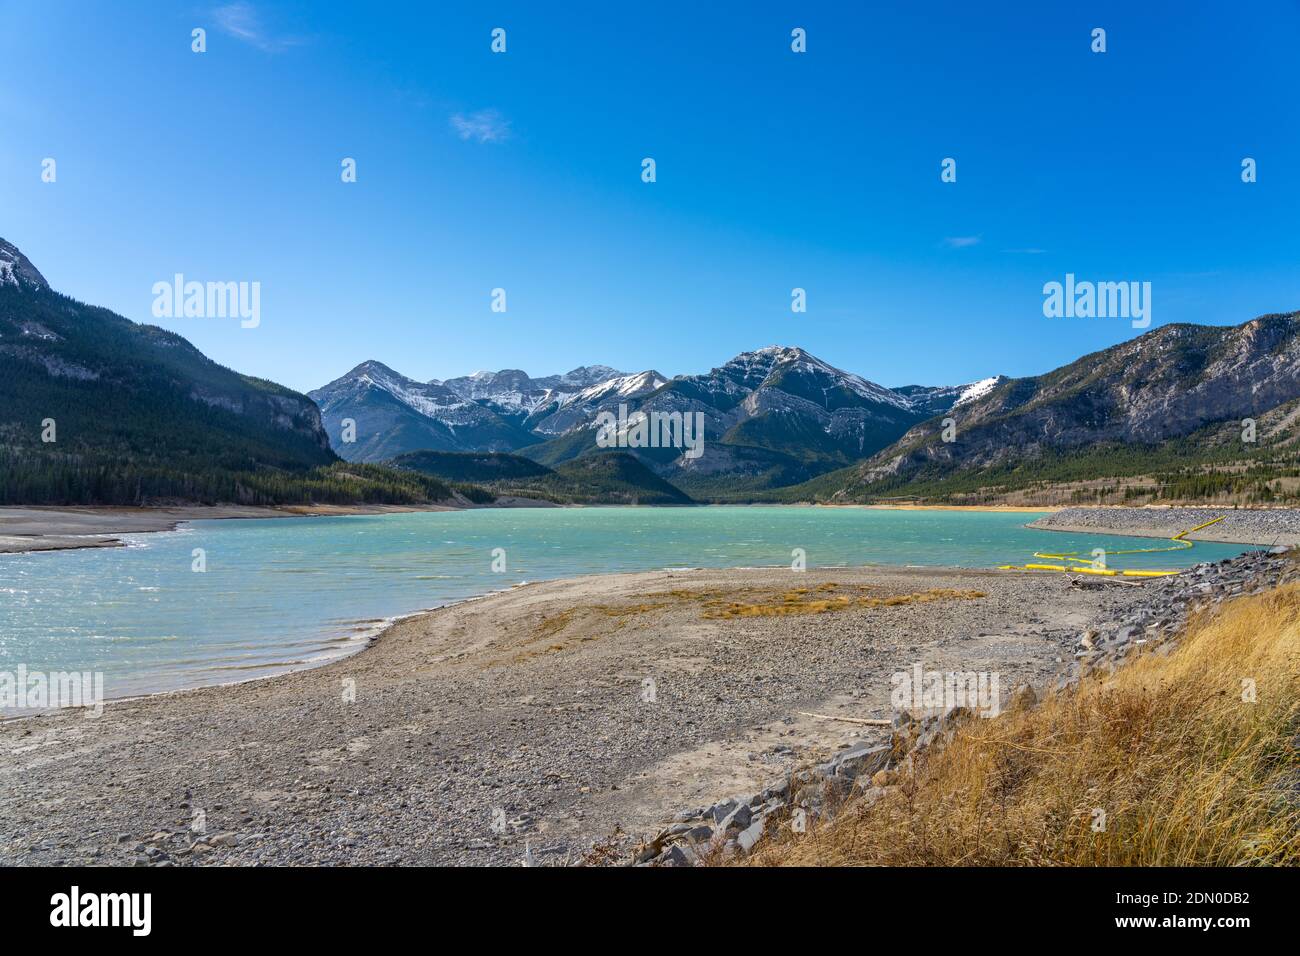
x=961, y=242
x=484, y=126
x=242, y=21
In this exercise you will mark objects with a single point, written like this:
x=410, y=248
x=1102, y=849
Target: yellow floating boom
x=1079, y=565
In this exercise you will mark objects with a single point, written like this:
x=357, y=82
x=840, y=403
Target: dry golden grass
x=562, y=630
x=1185, y=770
x=799, y=601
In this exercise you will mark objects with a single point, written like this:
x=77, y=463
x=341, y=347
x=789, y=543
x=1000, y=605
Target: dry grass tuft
x=552, y=624
x=554, y=633
x=1185, y=770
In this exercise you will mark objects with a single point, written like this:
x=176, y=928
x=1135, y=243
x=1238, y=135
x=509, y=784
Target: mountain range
x=772, y=417
x=95, y=408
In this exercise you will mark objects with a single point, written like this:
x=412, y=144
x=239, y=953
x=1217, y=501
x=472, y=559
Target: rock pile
x=1156, y=623
x=1263, y=526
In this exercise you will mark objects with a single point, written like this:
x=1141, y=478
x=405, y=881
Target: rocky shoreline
x=1267, y=527
x=733, y=827
x=1168, y=604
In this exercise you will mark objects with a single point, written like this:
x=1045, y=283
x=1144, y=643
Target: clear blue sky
x=775, y=170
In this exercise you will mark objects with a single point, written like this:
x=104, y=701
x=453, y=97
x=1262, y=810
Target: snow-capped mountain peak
x=514, y=392
x=586, y=375
x=430, y=400
x=777, y=362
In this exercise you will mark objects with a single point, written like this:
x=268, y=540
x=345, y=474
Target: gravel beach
x=541, y=720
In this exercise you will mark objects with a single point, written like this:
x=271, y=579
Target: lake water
x=279, y=593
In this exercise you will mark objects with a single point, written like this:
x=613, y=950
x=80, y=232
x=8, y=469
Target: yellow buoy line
x=1080, y=565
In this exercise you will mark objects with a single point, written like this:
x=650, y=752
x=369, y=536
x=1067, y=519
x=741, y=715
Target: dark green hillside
x=138, y=412
x=603, y=477
x=353, y=483
x=615, y=477
x=564, y=448
x=739, y=473
x=471, y=466
x=141, y=416
x=801, y=439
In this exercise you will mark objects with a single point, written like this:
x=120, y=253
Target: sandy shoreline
x=31, y=528
x=530, y=703
x=25, y=529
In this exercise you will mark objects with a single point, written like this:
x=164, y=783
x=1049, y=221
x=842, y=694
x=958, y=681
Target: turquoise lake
x=280, y=593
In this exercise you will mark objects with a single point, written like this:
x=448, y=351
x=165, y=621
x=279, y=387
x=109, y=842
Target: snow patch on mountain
x=623, y=386
x=977, y=390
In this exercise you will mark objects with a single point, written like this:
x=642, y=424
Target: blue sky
x=775, y=170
